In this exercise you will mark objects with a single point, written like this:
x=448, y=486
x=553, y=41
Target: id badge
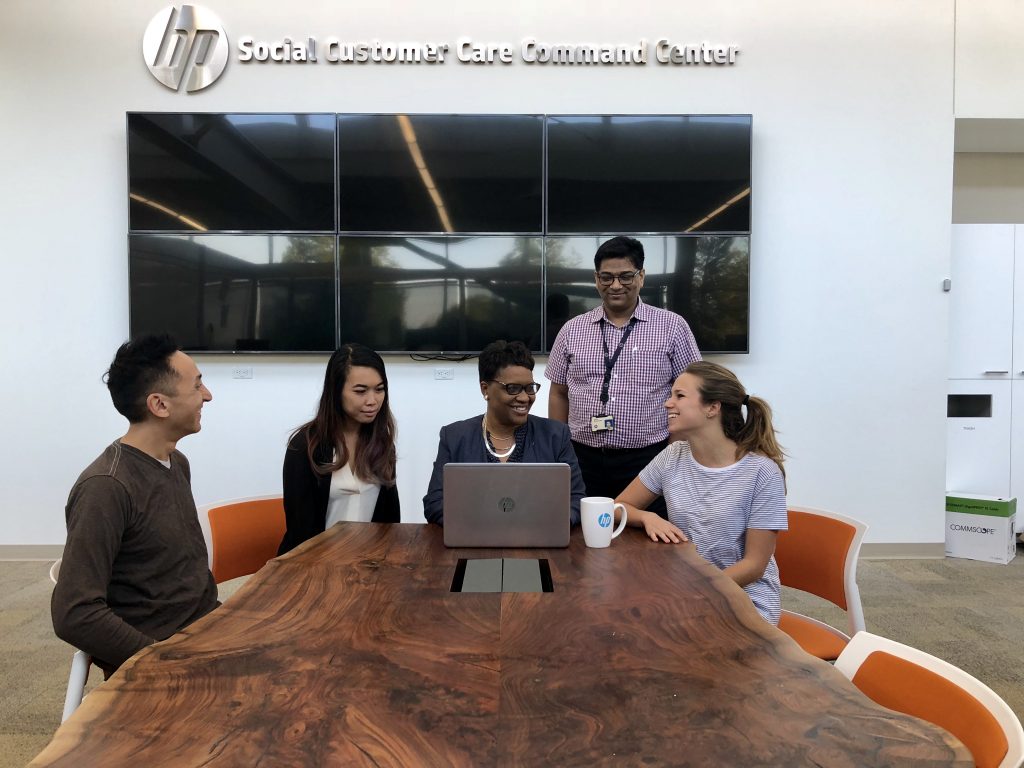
x=602, y=423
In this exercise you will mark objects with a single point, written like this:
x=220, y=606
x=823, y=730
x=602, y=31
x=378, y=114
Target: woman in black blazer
x=341, y=465
x=505, y=431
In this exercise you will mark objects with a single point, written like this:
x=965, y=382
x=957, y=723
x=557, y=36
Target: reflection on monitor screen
x=648, y=173
x=704, y=278
x=440, y=173
x=199, y=172
x=428, y=233
x=229, y=293
x=440, y=294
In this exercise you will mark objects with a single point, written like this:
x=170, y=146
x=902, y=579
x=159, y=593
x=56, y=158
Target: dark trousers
x=607, y=471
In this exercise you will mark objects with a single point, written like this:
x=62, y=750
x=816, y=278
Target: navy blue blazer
x=462, y=442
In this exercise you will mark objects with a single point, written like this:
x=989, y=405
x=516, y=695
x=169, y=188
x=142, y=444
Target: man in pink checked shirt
x=611, y=370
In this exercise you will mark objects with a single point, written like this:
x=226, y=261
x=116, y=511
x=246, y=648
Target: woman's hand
x=636, y=498
x=660, y=529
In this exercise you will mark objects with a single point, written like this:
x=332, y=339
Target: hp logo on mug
x=186, y=45
x=605, y=520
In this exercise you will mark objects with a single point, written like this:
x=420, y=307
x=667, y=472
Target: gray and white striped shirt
x=714, y=507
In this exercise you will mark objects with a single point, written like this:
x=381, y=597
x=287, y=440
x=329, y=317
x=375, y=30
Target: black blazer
x=462, y=442
x=306, y=495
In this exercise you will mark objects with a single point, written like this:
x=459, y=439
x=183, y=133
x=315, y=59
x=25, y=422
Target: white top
x=350, y=498
x=714, y=507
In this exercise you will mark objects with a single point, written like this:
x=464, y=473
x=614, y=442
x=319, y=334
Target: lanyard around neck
x=609, y=360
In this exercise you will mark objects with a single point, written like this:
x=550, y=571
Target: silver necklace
x=487, y=443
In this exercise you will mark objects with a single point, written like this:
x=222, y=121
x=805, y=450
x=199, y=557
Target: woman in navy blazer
x=506, y=431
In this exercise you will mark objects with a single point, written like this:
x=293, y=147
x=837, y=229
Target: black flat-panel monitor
x=704, y=278
x=440, y=294
x=257, y=172
x=428, y=233
x=232, y=293
x=440, y=173
x=648, y=173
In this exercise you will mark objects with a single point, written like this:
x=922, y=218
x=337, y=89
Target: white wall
x=853, y=135
x=989, y=67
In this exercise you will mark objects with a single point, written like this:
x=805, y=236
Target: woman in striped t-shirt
x=722, y=480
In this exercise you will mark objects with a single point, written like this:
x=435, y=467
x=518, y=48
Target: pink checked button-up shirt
x=658, y=349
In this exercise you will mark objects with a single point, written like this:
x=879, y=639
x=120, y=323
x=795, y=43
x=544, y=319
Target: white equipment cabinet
x=985, y=423
x=981, y=302
x=978, y=437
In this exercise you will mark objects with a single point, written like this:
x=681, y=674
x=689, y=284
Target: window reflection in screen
x=235, y=292
x=199, y=172
x=440, y=294
x=704, y=278
x=648, y=173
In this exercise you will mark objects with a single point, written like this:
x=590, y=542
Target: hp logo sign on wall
x=187, y=46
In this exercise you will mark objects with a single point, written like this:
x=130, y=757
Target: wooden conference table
x=352, y=650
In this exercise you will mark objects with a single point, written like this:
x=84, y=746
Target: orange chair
x=915, y=683
x=818, y=555
x=242, y=534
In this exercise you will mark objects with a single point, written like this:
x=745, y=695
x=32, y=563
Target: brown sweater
x=134, y=569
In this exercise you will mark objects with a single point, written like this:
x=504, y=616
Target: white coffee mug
x=598, y=514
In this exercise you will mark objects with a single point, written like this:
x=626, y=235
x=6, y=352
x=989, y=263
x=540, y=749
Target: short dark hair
x=501, y=354
x=620, y=248
x=141, y=366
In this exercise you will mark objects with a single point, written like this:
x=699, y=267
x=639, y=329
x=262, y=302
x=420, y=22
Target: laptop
x=506, y=505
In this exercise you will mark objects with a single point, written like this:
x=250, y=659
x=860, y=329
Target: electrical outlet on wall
x=241, y=372
x=444, y=374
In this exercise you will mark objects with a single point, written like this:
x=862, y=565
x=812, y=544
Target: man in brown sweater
x=135, y=569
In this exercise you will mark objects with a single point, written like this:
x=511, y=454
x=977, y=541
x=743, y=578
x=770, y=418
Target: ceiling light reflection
x=718, y=210
x=409, y=134
x=164, y=209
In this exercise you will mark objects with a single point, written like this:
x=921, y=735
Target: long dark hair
x=753, y=434
x=375, y=450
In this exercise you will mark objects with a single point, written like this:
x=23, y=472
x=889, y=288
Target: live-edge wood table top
x=351, y=650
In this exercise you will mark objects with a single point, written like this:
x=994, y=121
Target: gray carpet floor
x=968, y=613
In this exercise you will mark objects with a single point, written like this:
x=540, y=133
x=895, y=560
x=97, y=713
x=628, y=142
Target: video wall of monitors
x=428, y=234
